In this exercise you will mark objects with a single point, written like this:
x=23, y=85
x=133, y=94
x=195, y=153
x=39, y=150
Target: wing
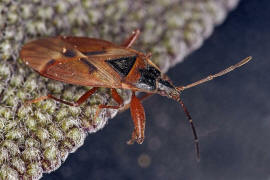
x=89, y=46
x=76, y=60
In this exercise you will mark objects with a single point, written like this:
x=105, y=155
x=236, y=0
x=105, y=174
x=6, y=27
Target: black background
x=231, y=114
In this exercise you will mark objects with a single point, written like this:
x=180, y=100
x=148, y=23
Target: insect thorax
x=151, y=81
x=148, y=78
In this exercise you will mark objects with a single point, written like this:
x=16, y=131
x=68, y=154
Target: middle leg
x=116, y=97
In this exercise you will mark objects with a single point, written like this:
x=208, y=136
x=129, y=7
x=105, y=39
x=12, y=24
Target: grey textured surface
x=38, y=138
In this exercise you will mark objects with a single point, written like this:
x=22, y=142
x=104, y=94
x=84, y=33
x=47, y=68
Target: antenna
x=211, y=77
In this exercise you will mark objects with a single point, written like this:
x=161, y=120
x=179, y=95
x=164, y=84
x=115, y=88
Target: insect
x=99, y=63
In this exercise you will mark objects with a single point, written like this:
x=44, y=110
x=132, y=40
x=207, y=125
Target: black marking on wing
x=148, y=78
x=122, y=65
x=91, y=53
x=47, y=66
x=69, y=53
x=90, y=66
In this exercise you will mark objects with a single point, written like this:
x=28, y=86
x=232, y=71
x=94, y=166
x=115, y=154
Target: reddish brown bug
x=99, y=63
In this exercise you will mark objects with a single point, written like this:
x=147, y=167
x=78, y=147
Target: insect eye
x=122, y=65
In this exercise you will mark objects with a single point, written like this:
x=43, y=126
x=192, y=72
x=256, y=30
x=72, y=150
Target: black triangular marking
x=122, y=65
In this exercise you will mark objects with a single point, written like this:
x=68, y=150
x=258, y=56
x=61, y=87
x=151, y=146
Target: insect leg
x=196, y=140
x=116, y=97
x=221, y=73
x=77, y=103
x=149, y=55
x=142, y=98
x=138, y=116
x=131, y=39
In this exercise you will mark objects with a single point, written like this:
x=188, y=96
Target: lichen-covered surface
x=37, y=138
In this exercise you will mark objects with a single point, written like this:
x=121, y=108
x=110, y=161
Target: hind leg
x=83, y=98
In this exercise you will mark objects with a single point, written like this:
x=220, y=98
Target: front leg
x=138, y=116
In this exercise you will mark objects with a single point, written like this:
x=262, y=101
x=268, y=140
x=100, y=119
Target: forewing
x=98, y=49
x=39, y=54
x=75, y=60
x=80, y=72
x=89, y=46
